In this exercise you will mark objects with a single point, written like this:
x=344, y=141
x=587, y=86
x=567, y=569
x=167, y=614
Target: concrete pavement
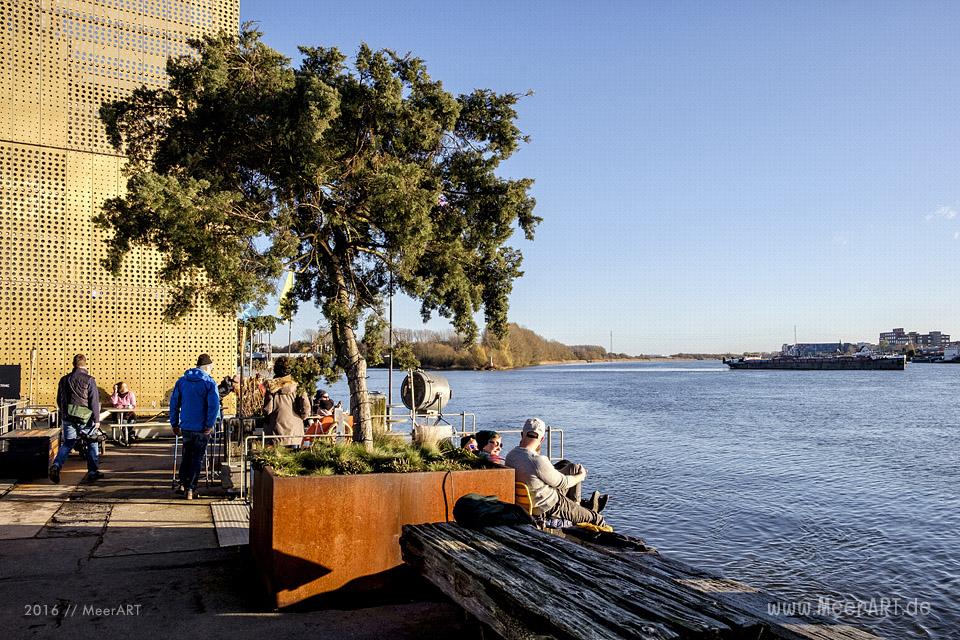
x=128, y=556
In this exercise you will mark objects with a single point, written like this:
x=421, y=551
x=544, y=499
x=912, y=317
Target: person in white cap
x=550, y=490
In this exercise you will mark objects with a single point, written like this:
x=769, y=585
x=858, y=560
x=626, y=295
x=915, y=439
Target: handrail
x=549, y=439
x=244, y=454
x=7, y=416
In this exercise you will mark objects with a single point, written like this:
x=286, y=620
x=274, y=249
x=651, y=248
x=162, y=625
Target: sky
x=710, y=175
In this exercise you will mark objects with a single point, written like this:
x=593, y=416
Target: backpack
x=475, y=512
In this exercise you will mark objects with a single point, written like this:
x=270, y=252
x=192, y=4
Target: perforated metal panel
x=60, y=60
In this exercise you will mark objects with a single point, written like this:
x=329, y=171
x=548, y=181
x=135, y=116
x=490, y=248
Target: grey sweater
x=546, y=484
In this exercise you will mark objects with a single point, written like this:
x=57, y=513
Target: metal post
x=390, y=368
x=33, y=370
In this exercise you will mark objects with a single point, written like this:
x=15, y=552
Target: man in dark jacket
x=78, y=400
x=194, y=408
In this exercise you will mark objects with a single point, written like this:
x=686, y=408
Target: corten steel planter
x=330, y=535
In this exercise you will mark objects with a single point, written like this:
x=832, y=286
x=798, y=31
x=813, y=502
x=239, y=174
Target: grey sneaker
x=54, y=474
x=189, y=494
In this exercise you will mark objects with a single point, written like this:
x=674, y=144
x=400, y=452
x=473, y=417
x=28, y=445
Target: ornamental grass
x=389, y=455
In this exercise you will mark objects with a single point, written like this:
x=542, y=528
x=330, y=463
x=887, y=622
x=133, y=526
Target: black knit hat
x=204, y=359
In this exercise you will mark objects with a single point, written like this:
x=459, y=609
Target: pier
x=126, y=556
x=127, y=553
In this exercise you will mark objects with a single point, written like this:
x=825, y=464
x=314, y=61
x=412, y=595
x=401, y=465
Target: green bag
x=79, y=412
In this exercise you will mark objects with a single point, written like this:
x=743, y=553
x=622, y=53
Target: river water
x=838, y=490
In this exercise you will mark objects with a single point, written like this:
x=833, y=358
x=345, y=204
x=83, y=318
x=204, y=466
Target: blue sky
x=709, y=174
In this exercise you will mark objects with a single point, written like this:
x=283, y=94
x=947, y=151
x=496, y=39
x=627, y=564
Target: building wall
x=60, y=60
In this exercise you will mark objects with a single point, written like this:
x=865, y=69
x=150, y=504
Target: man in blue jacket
x=194, y=408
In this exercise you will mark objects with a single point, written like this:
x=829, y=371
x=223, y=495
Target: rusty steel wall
x=315, y=536
x=60, y=60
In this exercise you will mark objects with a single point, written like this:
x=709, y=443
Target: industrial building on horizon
x=900, y=338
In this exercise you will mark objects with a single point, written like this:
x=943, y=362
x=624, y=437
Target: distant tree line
x=707, y=356
x=430, y=349
x=521, y=347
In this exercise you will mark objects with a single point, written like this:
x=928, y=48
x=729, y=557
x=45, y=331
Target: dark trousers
x=573, y=511
x=568, y=468
x=569, y=507
x=194, y=448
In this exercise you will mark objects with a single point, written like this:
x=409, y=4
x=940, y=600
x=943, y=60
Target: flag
x=284, y=290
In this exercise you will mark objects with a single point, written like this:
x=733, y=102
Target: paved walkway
x=128, y=555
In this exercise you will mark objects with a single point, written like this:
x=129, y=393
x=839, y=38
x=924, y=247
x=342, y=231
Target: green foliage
x=306, y=371
x=357, y=178
x=389, y=455
x=266, y=324
x=245, y=165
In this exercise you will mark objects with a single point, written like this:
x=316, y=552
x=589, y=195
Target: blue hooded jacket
x=194, y=403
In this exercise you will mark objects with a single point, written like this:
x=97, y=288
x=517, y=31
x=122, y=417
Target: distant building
x=900, y=338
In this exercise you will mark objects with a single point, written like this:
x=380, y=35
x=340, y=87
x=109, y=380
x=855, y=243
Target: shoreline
x=554, y=363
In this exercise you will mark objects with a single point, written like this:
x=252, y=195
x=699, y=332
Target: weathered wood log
x=517, y=598
x=688, y=610
x=736, y=596
x=525, y=583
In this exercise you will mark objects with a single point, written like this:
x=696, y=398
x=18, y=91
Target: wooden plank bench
x=526, y=583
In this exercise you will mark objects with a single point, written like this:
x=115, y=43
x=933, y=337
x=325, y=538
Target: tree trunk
x=354, y=365
x=356, y=369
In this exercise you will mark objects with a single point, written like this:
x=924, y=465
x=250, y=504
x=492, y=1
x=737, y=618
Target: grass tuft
x=389, y=455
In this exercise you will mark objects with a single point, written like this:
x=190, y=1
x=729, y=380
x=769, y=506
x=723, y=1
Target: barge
x=816, y=363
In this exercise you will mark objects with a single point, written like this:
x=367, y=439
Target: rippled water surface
x=824, y=486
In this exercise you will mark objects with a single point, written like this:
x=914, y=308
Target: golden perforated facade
x=60, y=60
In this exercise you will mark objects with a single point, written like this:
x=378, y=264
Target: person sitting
x=285, y=408
x=322, y=404
x=469, y=443
x=554, y=494
x=490, y=444
x=123, y=397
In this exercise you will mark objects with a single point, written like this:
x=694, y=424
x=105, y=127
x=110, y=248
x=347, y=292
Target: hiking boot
x=602, y=502
x=54, y=474
x=592, y=503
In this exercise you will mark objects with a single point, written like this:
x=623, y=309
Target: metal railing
x=8, y=410
x=554, y=437
x=246, y=470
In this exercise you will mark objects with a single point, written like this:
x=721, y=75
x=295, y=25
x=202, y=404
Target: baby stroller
x=88, y=435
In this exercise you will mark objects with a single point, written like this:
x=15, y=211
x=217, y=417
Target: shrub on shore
x=389, y=455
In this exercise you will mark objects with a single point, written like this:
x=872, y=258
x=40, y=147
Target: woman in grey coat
x=284, y=407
